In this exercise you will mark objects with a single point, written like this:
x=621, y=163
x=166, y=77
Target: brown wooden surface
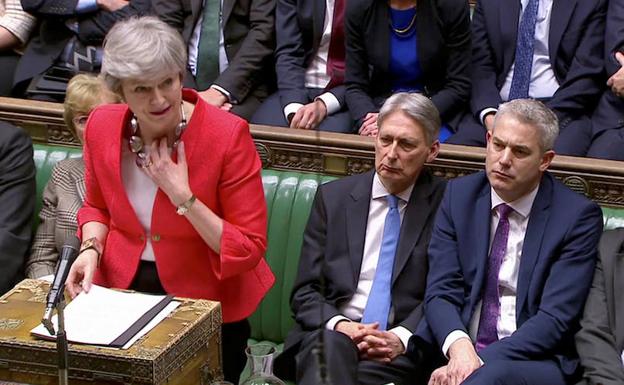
x=182, y=349
x=340, y=154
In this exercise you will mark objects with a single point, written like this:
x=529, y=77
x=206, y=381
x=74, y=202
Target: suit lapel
x=414, y=221
x=114, y=157
x=356, y=214
x=381, y=41
x=481, y=230
x=563, y=11
x=538, y=219
x=509, y=17
x=196, y=9
x=318, y=19
x=226, y=11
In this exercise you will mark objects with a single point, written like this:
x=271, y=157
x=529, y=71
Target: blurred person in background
x=15, y=28
x=65, y=191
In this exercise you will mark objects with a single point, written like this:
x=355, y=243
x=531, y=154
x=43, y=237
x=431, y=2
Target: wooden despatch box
x=185, y=348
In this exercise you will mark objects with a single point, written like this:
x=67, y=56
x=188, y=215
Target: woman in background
x=407, y=46
x=65, y=191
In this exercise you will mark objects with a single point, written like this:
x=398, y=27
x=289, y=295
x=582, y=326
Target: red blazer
x=224, y=173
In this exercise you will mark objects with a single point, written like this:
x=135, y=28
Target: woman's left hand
x=169, y=176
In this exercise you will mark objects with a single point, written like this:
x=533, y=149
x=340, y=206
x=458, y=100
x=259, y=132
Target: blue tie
x=378, y=304
x=524, y=53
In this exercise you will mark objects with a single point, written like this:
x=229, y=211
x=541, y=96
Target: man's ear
x=547, y=159
x=434, y=150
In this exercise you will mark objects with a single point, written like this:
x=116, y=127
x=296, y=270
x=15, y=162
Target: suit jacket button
x=142, y=237
x=155, y=237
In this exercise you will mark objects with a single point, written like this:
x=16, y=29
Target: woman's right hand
x=81, y=273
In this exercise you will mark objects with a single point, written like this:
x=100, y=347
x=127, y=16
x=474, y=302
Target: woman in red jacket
x=174, y=199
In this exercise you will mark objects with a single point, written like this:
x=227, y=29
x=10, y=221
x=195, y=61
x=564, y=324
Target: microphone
x=68, y=255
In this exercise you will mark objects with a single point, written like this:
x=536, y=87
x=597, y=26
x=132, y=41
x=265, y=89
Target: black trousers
x=344, y=366
x=234, y=335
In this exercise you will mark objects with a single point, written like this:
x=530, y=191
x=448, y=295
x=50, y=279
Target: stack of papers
x=111, y=318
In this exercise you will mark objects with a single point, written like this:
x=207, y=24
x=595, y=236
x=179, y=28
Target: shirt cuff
x=452, y=337
x=331, y=324
x=85, y=6
x=291, y=108
x=331, y=102
x=223, y=91
x=404, y=335
x=484, y=112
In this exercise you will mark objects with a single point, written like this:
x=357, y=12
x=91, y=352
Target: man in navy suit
x=511, y=260
x=549, y=50
x=310, y=57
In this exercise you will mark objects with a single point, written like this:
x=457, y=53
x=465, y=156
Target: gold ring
x=148, y=164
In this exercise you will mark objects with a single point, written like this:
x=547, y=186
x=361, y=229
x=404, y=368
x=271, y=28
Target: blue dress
x=405, y=72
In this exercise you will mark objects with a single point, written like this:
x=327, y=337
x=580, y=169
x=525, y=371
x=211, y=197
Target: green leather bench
x=289, y=198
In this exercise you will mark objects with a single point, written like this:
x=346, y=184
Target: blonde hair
x=84, y=93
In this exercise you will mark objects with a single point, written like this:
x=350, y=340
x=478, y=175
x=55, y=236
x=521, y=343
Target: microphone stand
x=62, y=348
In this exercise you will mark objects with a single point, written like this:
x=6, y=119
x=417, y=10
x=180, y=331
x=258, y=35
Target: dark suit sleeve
x=614, y=35
x=444, y=297
x=243, y=73
x=357, y=79
x=17, y=197
x=485, y=93
x=42, y=8
x=306, y=300
x=289, y=54
x=457, y=38
x=595, y=341
x=561, y=301
x=92, y=30
x=170, y=11
x=584, y=81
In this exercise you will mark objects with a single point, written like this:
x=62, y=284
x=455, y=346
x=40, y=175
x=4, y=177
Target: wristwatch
x=184, y=207
x=93, y=244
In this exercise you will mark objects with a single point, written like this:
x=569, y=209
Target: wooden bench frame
x=339, y=154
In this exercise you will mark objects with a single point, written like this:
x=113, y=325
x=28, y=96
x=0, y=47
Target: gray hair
x=536, y=114
x=141, y=48
x=416, y=106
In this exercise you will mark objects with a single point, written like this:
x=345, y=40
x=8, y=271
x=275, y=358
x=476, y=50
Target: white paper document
x=111, y=318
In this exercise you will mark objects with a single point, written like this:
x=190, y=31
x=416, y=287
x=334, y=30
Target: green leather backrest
x=289, y=197
x=612, y=218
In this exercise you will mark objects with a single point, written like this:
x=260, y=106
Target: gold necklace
x=404, y=30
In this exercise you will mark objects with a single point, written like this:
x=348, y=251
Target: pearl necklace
x=137, y=146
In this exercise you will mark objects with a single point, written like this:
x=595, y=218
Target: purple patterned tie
x=490, y=308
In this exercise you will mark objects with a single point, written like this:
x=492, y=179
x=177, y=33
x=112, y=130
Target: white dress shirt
x=316, y=74
x=193, y=48
x=354, y=309
x=141, y=191
x=508, y=273
x=543, y=84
